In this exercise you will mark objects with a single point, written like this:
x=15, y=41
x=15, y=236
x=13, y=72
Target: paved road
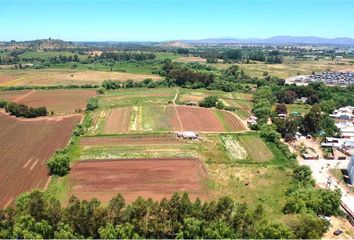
x=320, y=169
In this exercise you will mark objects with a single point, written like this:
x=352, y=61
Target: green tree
x=303, y=175
x=269, y=133
x=59, y=165
x=92, y=104
x=209, y=102
x=311, y=121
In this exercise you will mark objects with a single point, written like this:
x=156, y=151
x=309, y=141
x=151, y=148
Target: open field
x=137, y=97
x=155, y=178
x=48, y=77
x=241, y=101
x=255, y=147
x=60, y=101
x=25, y=146
x=190, y=59
x=12, y=96
x=291, y=68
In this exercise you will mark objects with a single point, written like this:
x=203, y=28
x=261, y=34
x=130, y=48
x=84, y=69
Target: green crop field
x=137, y=97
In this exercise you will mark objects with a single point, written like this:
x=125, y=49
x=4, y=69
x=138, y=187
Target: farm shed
x=187, y=135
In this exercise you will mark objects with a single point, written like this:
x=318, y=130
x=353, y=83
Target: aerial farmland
x=157, y=126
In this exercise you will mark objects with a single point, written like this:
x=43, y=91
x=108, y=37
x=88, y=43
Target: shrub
x=59, y=165
x=92, y=104
x=209, y=102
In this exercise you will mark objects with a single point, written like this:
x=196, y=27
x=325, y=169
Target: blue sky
x=160, y=20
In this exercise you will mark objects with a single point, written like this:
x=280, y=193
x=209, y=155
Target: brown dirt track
x=197, y=119
x=118, y=120
x=155, y=178
x=130, y=140
x=25, y=147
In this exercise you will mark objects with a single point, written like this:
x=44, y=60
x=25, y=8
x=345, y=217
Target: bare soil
x=25, y=147
x=148, y=178
x=118, y=120
x=197, y=119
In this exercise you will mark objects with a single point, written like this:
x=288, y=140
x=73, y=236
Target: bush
x=269, y=133
x=92, y=104
x=59, y=165
x=101, y=90
x=209, y=102
x=3, y=103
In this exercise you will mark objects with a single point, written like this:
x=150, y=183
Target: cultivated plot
x=148, y=178
x=25, y=146
x=170, y=118
x=60, y=101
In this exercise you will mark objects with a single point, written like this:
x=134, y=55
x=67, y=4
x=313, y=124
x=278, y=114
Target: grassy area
x=128, y=67
x=300, y=108
x=136, y=97
x=255, y=147
x=48, y=77
x=164, y=55
x=292, y=67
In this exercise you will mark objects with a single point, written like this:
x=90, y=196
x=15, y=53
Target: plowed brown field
x=12, y=95
x=197, y=119
x=60, y=101
x=130, y=140
x=233, y=123
x=155, y=178
x=118, y=120
x=25, y=146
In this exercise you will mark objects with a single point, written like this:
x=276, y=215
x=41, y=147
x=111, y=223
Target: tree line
x=126, y=56
x=21, y=110
x=36, y=215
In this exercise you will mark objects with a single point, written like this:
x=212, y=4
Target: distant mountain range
x=277, y=40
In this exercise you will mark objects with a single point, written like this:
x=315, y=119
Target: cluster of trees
x=241, y=55
x=211, y=102
x=234, y=74
x=36, y=215
x=126, y=56
x=92, y=104
x=303, y=197
x=183, y=76
x=149, y=83
x=59, y=165
x=263, y=100
x=21, y=110
x=315, y=122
